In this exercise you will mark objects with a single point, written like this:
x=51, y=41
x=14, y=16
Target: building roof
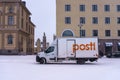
x=22, y=3
x=9, y=0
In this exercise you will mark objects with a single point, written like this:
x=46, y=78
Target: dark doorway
x=108, y=49
x=118, y=46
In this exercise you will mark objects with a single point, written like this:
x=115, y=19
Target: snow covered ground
x=25, y=68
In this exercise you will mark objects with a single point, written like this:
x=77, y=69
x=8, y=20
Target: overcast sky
x=44, y=17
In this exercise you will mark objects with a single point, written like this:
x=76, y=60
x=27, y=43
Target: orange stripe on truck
x=82, y=47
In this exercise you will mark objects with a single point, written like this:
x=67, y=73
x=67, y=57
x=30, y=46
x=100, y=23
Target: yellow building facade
x=90, y=18
x=16, y=28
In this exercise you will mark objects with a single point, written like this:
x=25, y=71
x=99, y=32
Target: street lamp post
x=80, y=26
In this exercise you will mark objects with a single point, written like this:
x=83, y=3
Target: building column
x=3, y=42
x=24, y=45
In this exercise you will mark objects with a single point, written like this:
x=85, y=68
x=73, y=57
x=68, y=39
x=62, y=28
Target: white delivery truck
x=78, y=50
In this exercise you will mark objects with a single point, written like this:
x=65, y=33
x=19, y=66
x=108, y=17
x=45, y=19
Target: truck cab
x=48, y=55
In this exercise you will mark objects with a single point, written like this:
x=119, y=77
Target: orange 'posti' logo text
x=82, y=47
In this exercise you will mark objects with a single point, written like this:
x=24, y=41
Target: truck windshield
x=50, y=49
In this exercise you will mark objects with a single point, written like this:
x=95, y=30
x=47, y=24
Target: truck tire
x=42, y=61
x=92, y=59
x=81, y=61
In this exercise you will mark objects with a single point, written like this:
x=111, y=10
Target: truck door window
x=50, y=49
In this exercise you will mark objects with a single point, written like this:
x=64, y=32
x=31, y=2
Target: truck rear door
x=69, y=47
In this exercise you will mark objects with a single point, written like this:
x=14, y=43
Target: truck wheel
x=80, y=61
x=42, y=61
x=92, y=59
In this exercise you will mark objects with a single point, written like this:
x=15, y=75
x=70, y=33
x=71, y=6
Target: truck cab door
x=50, y=53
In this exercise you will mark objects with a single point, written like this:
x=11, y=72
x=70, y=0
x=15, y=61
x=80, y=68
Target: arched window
x=10, y=39
x=67, y=33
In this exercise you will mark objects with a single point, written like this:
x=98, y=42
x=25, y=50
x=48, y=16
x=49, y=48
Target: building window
x=94, y=8
x=107, y=33
x=95, y=32
x=118, y=8
x=82, y=33
x=118, y=20
x=67, y=7
x=119, y=33
x=10, y=20
x=11, y=9
x=67, y=20
x=95, y=20
x=10, y=39
x=22, y=23
x=82, y=20
x=107, y=20
x=67, y=33
x=0, y=18
x=107, y=8
x=82, y=7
